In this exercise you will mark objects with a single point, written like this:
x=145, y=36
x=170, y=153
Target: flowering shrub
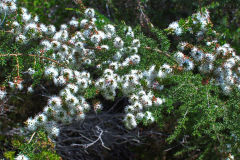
x=70, y=54
x=92, y=61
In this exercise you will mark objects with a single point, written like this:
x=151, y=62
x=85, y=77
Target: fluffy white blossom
x=21, y=157
x=89, y=13
x=2, y=94
x=118, y=42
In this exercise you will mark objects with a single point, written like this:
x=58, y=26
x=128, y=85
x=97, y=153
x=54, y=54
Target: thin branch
x=32, y=55
x=5, y=14
x=31, y=137
x=161, y=52
x=18, y=74
x=92, y=143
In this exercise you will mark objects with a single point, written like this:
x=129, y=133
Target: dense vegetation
x=110, y=79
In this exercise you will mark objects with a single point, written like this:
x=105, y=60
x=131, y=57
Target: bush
x=106, y=84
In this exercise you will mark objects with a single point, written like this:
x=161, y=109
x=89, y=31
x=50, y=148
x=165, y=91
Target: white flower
x=206, y=67
x=47, y=45
x=30, y=71
x=55, y=102
x=31, y=26
x=129, y=109
x=209, y=57
x=48, y=110
x=133, y=98
x=146, y=101
x=95, y=39
x=98, y=107
x=59, y=81
x=55, y=131
x=82, y=82
x=226, y=89
x=137, y=106
x=72, y=87
x=87, y=33
x=198, y=56
x=175, y=26
x=109, y=29
x=21, y=39
x=135, y=59
x=15, y=24
x=51, y=29
x=19, y=86
x=41, y=119
x=2, y=94
x=23, y=10
x=130, y=121
x=158, y=101
x=63, y=27
x=83, y=23
x=102, y=35
x=12, y=6
x=136, y=43
x=117, y=56
x=148, y=116
x=166, y=68
x=89, y=13
x=30, y=89
x=68, y=73
x=71, y=100
x=80, y=116
x=118, y=42
x=74, y=22
x=182, y=45
x=51, y=71
x=188, y=64
x=105, y=47
x=43, y=28
x=56, y=45
x=21, y=157
x=26, y=17
x=11, y=84
x=31, y=124
x=3, y=8
x=86, y=106
x=179, y=56
x=36, y=19
x=130, y=34
x=139, y=116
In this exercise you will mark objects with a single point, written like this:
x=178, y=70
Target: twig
x=5, y=14
x=161, y=52
x=90, y=144
x=208, y=98
x=32, y=55
x=108, y=12
x=31, y=137
x=18, y=74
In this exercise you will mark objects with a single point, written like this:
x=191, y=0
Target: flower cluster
x=199, y=24
x=217, y=62
x=68, y=54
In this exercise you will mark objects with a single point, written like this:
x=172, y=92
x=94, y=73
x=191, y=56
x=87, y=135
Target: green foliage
x=39, y=147
x=9, y=155
x=199, y=115
x=51, y=11
x=196, y=115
